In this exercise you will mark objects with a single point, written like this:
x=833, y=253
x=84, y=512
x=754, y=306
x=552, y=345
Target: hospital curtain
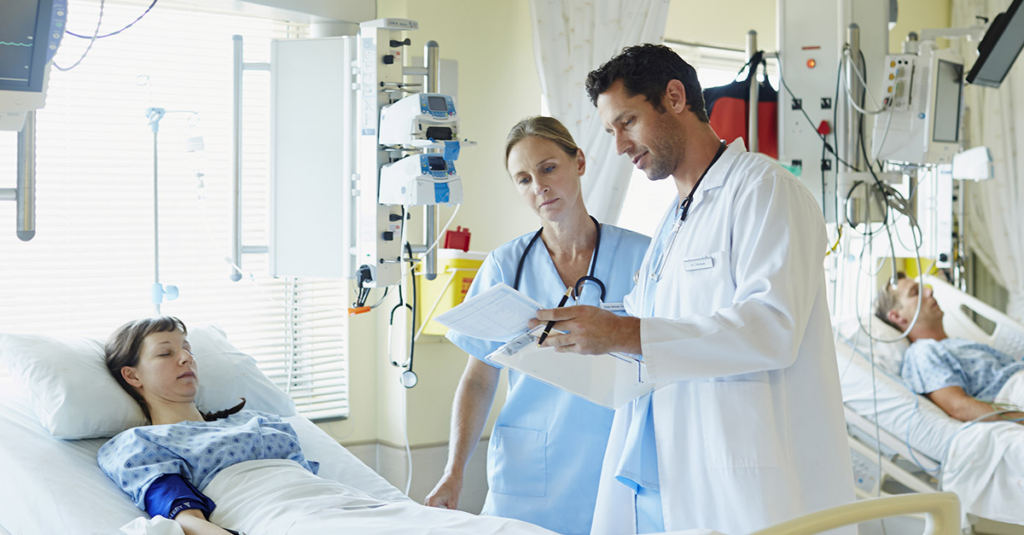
x=571, y=38
x=90, y=266
x=993, y=118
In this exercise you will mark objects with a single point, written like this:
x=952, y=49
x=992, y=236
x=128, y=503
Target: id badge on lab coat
x=618, y=308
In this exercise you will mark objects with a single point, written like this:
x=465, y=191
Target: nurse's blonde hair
x=543, y=127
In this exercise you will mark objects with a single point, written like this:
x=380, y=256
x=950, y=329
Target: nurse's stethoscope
x=578, y=287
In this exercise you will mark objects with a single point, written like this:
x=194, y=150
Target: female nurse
x=546, y=450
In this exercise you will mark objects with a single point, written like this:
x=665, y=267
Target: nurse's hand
x=590, y=330
x=446, y=494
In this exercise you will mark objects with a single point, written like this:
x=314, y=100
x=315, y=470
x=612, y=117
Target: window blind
x=91, y=264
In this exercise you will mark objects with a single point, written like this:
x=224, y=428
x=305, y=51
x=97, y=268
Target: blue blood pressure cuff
x=172, y=494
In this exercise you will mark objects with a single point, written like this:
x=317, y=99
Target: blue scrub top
x=545, y=453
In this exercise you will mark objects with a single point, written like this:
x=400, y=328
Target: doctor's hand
x=446, y=494
x=589, y=330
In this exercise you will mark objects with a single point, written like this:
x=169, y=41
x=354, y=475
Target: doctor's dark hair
x=886, y=301
x=547, y=128
x=646, y=70
x=122, y=349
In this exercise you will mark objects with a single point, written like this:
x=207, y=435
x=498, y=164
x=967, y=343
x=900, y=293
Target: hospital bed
x=914, y=436
x=55, y=486
x=49, y=485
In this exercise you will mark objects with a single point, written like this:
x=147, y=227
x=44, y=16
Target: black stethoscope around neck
x=682, y=209
x=589, y=277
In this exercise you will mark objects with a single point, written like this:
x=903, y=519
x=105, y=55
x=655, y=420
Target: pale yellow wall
x=722, y=22
x=398, y=9
x=916, y=15
x=726, y=22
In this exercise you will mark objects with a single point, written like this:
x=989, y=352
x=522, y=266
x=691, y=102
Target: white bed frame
x=941, y=511
x=958, y=308
x=1008, y=335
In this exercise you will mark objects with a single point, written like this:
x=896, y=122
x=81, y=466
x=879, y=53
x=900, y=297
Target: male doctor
x=730, y=316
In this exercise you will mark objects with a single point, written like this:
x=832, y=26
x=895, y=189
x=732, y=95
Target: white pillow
x=888, y=356
x=75, y=397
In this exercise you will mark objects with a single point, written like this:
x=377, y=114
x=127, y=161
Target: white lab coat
x=749, y=427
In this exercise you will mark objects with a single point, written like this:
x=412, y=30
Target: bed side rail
x=941, y=510
x=1008, y=335
x=888, y=439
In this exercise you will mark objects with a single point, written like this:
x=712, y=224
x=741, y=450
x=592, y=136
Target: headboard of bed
x=957, y=306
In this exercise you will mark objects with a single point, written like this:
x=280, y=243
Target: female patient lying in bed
x=163, y=466
x=166, y=467
x=962, y=377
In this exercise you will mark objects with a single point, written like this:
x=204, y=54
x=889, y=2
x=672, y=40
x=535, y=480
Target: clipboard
x=610, y=380
x=499, y=313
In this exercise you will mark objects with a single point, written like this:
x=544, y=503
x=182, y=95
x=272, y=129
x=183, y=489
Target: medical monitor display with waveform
x=27, y=41
x=999, y=48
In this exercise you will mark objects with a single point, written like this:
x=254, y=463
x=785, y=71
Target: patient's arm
x=472, y=404
x=959, y=405
x=193, y=522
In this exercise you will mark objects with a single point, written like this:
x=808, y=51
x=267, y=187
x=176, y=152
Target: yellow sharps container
x=455, y=272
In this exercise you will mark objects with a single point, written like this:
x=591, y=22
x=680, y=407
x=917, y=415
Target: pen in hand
x=547, y=328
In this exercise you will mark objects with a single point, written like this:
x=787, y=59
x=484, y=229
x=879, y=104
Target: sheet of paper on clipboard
x=610, y=380
x=499, y=313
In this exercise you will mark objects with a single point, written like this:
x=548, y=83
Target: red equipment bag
x=728, y=108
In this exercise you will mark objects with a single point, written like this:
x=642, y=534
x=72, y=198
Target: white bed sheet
x=901, y=412
x=55, y=486
x=986, y=469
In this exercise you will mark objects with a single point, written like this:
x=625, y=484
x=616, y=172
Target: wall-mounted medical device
x=30, y=32
x=420, y=179
x=419, y=118
x=999, y=48
x=353, y=144
x=924, y=93
x=812, y=38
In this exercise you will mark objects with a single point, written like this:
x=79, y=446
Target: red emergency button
x=824, y=128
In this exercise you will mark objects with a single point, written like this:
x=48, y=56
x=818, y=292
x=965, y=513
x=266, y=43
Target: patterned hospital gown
x=980, y=370
x=197, y=451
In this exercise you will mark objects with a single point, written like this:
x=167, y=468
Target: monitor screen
x=948, y=92
x=437, y=104
x=999, y=48
x=24, y=38
x=437, y=163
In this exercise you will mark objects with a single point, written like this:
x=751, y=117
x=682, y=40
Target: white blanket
x=278, y=497
x=985, y=464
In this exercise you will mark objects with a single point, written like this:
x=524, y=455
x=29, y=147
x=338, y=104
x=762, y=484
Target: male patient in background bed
x=962, y=377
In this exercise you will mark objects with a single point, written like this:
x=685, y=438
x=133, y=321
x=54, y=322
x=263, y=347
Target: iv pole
x=158, y=291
